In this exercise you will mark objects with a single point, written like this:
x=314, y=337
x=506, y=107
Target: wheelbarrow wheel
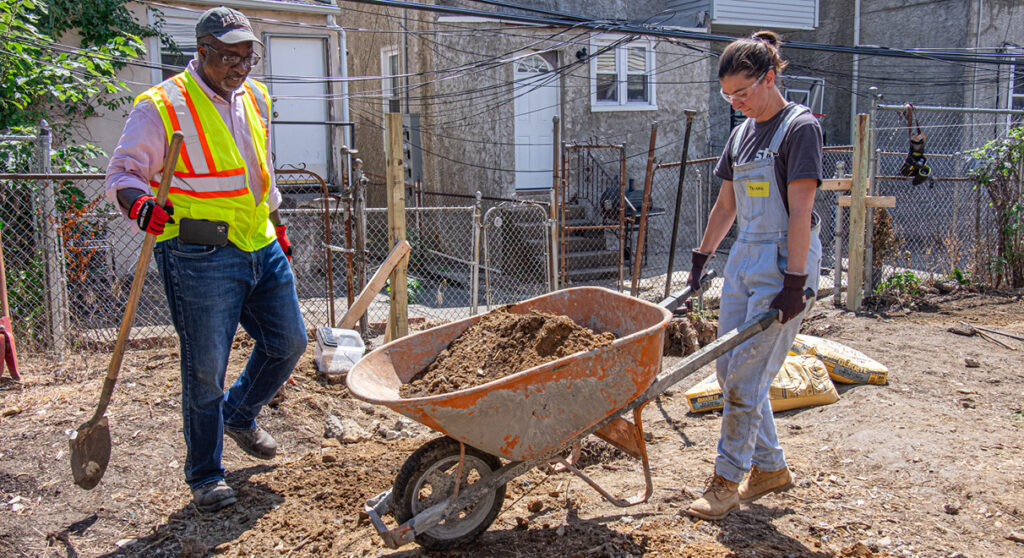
x=428, y=478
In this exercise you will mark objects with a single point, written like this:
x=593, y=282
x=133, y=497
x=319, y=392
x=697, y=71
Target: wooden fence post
x=398, y=316
x=858, y=212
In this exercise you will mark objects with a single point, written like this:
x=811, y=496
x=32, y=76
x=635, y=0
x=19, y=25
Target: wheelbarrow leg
x=628, y=437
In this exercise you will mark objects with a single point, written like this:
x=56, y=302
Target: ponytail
x=752, y=55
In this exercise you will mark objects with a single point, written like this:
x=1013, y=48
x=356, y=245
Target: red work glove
x=150, y=216
x=790, y=300
x=282, y=239
x=698, y=259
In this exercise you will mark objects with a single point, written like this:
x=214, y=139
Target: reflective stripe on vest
x=210, y=177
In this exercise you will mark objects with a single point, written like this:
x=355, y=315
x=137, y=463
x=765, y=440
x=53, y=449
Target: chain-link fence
x=942, y=225
x=516, y=252
x=70, y=258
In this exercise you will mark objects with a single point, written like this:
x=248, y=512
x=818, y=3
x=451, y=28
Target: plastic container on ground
x=337, y=350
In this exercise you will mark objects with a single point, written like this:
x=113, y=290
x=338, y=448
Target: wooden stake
x=398, y=318
x=398, y=255
x=858, y=212
x=645, y=205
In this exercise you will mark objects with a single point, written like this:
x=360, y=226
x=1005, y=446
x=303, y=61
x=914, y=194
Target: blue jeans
x=210, y=291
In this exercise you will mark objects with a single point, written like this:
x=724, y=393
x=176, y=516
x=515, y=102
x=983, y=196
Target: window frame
x=1015, y=83
x=156, y=49
x=622, y=73
x=388, y=91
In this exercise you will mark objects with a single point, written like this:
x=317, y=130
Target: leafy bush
x=1000, y=171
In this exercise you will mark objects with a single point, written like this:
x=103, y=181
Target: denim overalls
x=753, y=276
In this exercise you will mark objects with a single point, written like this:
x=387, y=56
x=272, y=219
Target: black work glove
x=149, y=216
x=790, y=300
x=697, y=259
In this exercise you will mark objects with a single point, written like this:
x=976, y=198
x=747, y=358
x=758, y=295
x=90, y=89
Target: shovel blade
x=90, y=453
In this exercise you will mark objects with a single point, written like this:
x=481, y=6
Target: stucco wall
x=941, y=24
x=468, y=116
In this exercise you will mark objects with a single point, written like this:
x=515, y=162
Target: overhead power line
x=670, y=33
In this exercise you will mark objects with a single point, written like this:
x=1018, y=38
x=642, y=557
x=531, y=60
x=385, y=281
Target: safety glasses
x=742, y=95
x=234, y=60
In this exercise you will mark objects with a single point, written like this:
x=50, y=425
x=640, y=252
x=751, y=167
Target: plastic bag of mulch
x=803, y=381
x=845, y=365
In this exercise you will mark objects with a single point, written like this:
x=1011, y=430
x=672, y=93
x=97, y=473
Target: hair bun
x=769, y=37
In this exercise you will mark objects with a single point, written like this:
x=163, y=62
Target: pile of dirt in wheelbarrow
x=500, y=344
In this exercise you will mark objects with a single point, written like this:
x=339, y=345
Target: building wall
x=631, y=10
x=468, y=115
x=941, y=24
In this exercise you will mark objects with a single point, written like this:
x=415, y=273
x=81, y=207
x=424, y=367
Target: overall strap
x=795, y=111
x=739, y=136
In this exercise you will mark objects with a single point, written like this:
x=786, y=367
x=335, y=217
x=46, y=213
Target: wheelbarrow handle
x=725, y=343
x=675, y=299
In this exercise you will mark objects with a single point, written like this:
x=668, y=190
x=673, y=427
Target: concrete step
x=589, y=274
x=592, y=259
x=574, y=243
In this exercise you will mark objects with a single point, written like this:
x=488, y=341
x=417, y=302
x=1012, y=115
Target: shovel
x=90, y=444
x=8, y=356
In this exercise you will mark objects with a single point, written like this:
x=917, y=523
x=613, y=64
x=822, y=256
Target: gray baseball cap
x=227, y=25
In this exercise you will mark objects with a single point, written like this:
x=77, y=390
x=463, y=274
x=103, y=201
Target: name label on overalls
x=757, y=189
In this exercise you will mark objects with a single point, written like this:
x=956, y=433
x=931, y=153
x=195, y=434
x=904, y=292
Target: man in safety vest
x=222, y=250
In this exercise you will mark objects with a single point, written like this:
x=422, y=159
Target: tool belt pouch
x=201, y=231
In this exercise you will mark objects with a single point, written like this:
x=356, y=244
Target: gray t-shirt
x=799, y=154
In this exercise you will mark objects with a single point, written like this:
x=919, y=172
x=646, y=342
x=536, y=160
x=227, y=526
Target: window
x=181, y=26
x=622, y=75
x=391, y=84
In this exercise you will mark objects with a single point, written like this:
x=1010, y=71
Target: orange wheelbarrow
x=451, y=489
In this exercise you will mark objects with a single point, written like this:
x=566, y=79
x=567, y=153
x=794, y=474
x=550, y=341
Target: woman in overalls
x=770, y=171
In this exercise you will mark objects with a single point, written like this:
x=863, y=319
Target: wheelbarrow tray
x=533, y=412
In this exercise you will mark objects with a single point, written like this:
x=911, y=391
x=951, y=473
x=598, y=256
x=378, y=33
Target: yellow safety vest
x=211, y=180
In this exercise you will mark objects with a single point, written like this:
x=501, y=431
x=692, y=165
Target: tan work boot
x=759, y=483
x=720, y=497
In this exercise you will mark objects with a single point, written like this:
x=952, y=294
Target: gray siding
x=788, y=14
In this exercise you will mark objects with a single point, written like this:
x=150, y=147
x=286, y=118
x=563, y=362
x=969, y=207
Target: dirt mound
x=686, y=335
x=500, y=344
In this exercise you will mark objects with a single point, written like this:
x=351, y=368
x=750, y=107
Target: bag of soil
x=803, y=381
x=845, y=365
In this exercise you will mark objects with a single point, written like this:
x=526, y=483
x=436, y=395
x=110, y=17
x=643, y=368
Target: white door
x=298, y=66
x=536, y=104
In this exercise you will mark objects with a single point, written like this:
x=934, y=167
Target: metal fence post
x=55, y=279
x=869, y=239
x=679, y=202
x=359, y=181
x=837, y=244
x=475, y=268
x=553, y=242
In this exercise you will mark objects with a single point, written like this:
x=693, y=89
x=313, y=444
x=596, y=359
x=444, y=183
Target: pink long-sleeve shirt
x=140, y=152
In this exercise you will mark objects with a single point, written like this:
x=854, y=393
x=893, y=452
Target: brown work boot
x=213, y=496
x=256, y=442
x=720, y=497
x=759, y=483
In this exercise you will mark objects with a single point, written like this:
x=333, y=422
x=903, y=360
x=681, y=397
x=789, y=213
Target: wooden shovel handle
x=140, y=277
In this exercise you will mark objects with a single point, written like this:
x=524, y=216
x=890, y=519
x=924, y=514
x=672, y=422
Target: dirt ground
x=928, y=465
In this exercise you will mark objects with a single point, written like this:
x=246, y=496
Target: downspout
x=855, y=70
x=347, y=133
